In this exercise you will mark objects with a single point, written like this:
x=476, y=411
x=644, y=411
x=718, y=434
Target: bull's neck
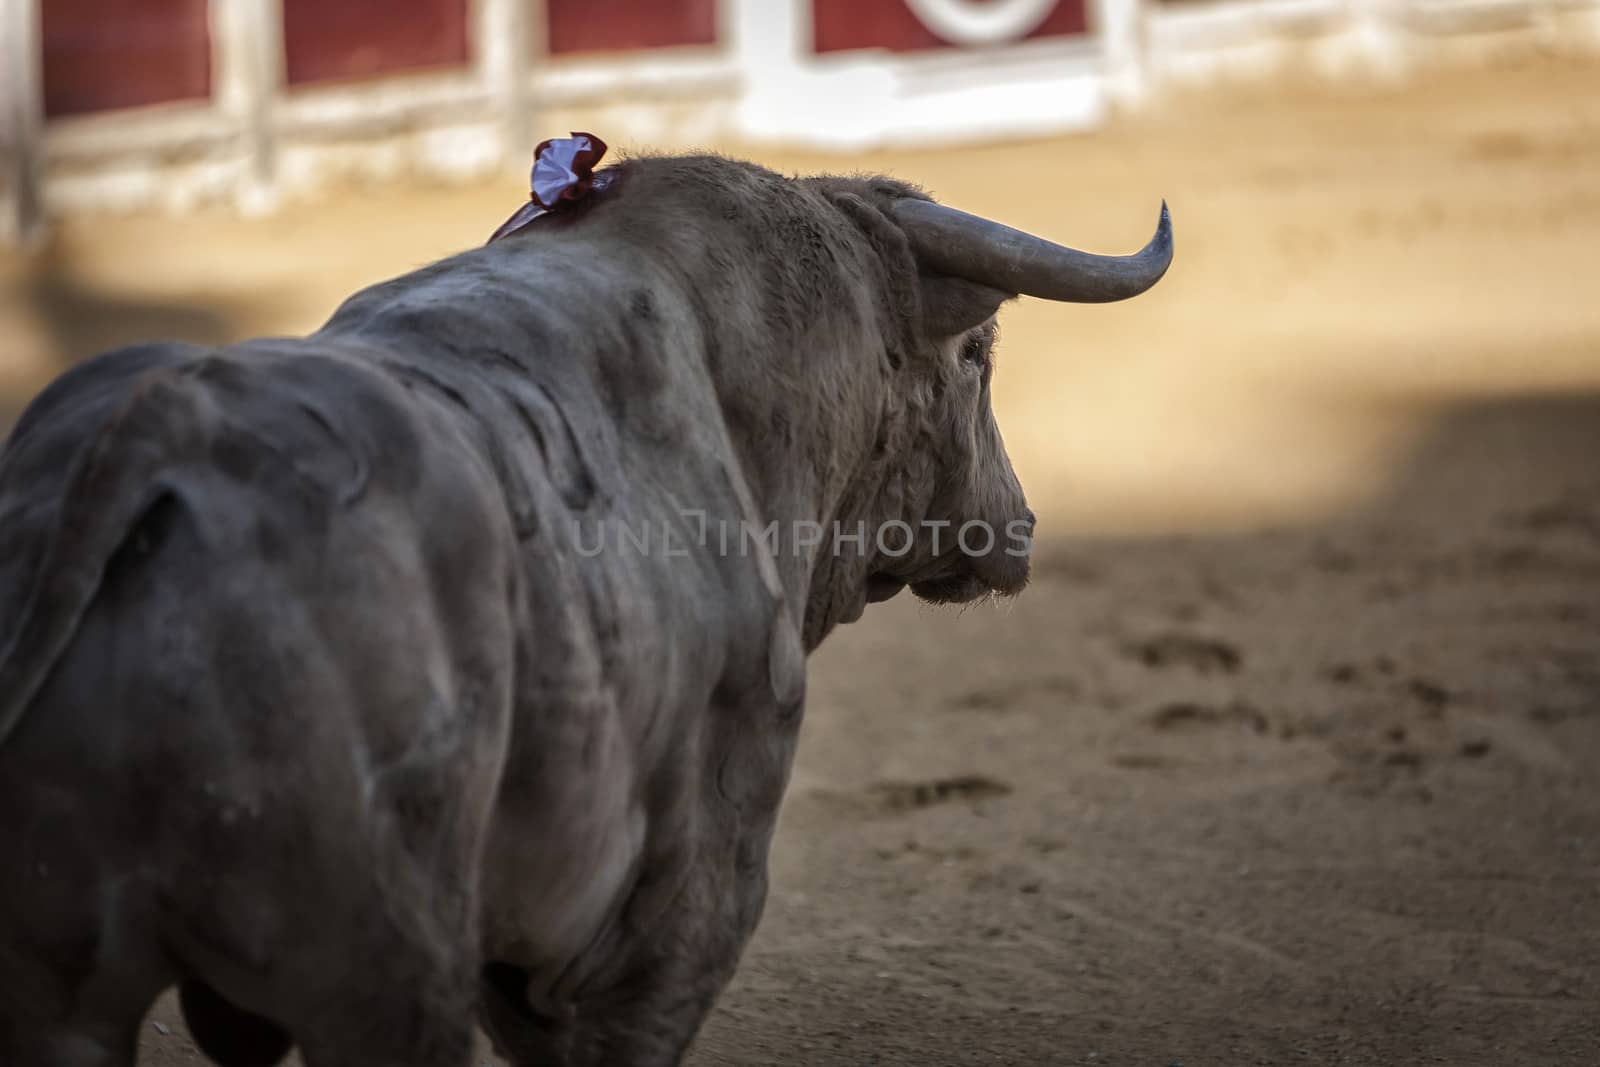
x=801, y=459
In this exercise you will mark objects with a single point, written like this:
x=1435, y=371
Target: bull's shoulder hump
x=80, y=399
x=327, y=416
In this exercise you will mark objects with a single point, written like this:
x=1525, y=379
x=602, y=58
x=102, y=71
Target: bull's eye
x=974, y=352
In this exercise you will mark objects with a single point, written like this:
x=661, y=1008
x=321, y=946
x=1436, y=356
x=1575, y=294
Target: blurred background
x=1289, y=753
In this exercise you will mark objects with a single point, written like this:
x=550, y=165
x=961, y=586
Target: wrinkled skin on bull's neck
x=342, y=691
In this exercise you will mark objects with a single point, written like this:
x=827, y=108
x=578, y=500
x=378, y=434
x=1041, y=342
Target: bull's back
x=277, y=709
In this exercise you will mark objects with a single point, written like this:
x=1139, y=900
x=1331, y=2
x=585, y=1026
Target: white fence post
x=507, y=32
x=247, y=57
x=770, y=40
x=1120, y=26
x=22, y=213
x=1377, y=47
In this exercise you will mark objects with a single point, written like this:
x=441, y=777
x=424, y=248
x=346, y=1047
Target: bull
x=317, y=701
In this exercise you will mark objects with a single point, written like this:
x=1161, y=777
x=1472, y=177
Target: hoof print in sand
x=909, y=796
x=1433, y=697
x=1006, y=697
x=1183, y=715
x=1203, y=654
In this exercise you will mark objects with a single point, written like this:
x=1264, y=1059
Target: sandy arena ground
x=1289, y=754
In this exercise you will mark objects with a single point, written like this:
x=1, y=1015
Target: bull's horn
x=966, y=246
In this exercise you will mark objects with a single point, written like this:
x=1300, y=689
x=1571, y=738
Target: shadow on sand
x=1323, y=794
x=80, y=319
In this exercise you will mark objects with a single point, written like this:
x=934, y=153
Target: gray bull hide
x=337, y=688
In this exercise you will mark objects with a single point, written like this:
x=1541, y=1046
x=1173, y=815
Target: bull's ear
x=952, y=306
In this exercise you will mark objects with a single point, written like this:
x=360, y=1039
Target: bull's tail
x=114, y=481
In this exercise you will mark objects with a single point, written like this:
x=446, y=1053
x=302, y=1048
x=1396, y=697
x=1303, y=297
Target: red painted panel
x=332, y=40
x=841, y=25
x=624, y=25
x=105, y=54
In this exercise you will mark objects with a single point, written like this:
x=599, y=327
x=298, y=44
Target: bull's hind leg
x=99, y=1029
x=399, y=992
x=22, y=1045
x=78, y=965
x=398, y=1027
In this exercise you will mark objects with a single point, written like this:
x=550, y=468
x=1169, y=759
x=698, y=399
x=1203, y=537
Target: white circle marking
x=965, y=22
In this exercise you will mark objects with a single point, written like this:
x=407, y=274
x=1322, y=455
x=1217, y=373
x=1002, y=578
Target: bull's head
x=952, y=483
x=849, y=326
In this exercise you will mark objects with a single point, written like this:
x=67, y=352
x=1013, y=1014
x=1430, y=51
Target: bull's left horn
x=966, y=246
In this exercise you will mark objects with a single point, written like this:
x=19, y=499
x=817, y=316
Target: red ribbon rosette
x=563, y=172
